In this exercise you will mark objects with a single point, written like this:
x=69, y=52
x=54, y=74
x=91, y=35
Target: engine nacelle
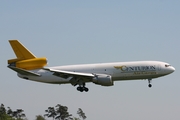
x=102, y=79
x=30, y=64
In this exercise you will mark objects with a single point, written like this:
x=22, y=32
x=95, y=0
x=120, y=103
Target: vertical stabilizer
x=21, y=51
x=25, y=59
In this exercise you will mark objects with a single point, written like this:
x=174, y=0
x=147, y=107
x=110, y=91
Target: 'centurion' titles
x=136, y=68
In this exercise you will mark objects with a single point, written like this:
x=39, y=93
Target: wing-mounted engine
x=102, y=79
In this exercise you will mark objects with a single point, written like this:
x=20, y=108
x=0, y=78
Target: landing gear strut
x=82, y=88
x=149, y=81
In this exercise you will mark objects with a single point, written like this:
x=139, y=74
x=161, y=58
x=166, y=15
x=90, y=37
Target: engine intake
x=102, y=79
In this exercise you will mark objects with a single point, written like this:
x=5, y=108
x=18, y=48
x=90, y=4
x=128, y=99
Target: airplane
x=30, y=67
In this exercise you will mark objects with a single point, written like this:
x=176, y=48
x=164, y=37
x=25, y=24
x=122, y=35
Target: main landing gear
x=149, y=81
x=82, y=88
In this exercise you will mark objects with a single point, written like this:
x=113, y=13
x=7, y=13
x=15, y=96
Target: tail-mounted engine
x=30, y=64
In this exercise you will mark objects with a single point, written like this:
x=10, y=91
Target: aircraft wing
x=23, y=72
x=72, y=76
x=69, y=73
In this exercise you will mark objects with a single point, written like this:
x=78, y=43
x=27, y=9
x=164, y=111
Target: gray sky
x=74, y=32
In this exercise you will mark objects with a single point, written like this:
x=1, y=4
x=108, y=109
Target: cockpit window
x=167, y=65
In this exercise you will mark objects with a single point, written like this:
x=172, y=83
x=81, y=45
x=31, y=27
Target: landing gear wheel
x=149, y=85
x=86, y=89
x=78, y=88
x=81, y=89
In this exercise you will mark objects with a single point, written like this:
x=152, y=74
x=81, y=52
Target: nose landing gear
x=149, y=81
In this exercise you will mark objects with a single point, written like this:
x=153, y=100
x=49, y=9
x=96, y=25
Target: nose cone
x=170, y=69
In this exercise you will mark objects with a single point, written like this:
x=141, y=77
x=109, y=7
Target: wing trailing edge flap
x=24, y=72
x=73, y=77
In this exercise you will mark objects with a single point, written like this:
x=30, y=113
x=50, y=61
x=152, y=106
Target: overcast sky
x=90, y=31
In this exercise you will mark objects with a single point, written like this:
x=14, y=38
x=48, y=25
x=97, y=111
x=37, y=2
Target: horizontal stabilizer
x=23, y=72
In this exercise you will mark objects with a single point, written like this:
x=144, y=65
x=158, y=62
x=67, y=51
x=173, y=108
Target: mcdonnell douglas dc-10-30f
x=29, y=67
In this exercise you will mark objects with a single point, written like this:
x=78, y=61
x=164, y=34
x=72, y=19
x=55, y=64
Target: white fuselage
x=118, y=71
